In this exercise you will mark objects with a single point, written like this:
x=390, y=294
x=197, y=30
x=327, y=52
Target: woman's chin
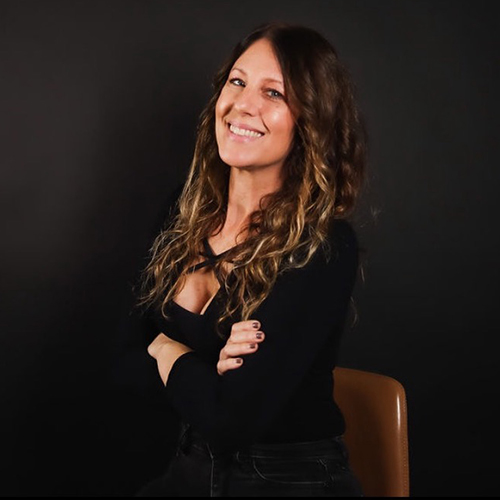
x=239, y=163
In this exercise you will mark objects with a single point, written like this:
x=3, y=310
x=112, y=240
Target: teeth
x=244, y=132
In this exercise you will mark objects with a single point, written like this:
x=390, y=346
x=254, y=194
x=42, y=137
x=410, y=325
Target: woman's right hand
x=244, y=339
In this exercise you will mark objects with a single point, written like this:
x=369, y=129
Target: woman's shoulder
x=334, y=261
x=342, y=238
x=340, y=248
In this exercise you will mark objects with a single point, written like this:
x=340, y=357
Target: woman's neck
x=246, y=189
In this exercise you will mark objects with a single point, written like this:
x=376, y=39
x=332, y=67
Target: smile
x=243, y=132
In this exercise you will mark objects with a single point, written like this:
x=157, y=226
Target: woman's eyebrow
x=266, y=79
x=240, y=70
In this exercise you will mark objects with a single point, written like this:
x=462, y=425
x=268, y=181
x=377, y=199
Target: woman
x=252, y=275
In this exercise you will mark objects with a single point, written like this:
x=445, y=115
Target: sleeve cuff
x=179, y=362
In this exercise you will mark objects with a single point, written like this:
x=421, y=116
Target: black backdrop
x=98, y=103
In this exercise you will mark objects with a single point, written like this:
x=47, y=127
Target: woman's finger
x=234, y=350
x=246, y=326
x=245, y=336
x=228, y=364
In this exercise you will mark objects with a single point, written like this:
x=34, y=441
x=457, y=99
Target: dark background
x=99, y=102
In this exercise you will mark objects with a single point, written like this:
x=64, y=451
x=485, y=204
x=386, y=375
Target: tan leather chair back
x=374, y=407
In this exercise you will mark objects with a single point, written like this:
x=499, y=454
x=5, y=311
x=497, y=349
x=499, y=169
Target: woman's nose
x=247, y=101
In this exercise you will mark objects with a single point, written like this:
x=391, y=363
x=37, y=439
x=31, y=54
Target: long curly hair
x=324, y=175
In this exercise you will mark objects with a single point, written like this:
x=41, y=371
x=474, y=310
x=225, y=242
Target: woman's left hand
x=244, y=339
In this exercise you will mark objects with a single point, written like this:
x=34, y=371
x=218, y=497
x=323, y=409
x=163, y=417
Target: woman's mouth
x=244, y=132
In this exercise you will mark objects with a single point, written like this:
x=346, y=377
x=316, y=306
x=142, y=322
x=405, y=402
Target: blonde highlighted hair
x=324, y=174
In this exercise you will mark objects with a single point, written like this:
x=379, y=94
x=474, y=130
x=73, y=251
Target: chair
x=374, y=407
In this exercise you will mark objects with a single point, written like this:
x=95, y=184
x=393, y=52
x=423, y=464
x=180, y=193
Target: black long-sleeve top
x=283, y=392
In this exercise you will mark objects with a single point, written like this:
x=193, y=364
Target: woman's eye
x=275, y=94
x=237, y=81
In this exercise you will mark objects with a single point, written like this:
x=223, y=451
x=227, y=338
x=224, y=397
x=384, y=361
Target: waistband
x=333, y=447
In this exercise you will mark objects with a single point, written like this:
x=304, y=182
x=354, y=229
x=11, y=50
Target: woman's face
x=254, y=126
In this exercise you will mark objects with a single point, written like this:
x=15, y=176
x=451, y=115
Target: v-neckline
x=214, y=255
x=211, y=258
x=205, y=308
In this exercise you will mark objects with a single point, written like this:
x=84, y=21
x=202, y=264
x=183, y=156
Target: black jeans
x=308, y=469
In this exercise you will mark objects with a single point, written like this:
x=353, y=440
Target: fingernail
x=256, y=324
x=239, y=361
x=258, y=335
x=252, y=346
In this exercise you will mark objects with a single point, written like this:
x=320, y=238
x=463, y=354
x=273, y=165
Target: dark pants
x=309, y=469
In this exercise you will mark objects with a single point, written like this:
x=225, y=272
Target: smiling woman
x=249, y=281
x=254, y=125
